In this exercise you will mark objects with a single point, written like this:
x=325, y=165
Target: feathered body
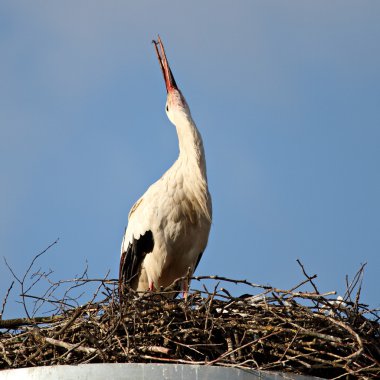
x=168, y=227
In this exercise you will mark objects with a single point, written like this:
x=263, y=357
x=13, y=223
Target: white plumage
x=168, y=227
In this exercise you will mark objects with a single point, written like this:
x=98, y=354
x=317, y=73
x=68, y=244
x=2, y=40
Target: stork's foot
x=151, y=287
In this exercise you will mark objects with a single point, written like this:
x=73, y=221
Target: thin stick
x=5, y=300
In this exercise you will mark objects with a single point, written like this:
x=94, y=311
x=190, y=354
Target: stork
x=168, y=227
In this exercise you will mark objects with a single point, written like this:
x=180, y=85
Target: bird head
x=176, y=106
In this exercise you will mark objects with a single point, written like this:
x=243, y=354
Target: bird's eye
x=167, y=108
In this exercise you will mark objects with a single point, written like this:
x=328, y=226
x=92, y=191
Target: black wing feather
x=198, y=260
x=132, y=258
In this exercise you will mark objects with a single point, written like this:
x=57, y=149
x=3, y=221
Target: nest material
x=291, y=331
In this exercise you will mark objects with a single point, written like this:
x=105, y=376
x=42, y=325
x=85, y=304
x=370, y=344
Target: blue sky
x=285, y=94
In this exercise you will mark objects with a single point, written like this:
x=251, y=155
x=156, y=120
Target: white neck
x=191, y=151
x=192, y=163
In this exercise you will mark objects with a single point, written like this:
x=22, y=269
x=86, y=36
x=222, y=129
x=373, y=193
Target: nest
x=304, y=332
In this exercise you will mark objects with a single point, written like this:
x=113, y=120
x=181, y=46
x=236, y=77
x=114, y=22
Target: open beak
x=167, y=73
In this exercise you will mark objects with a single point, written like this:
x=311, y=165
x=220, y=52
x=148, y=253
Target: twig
x=310, y=278
x=19, y=322
x=5, y=300
x=22, y=280
x=69, y=346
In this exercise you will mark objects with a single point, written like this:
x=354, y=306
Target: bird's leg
x=185, y=283
x=151, y=286
x=185, y=288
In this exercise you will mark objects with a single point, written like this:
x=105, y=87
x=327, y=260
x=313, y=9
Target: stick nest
x=304, y=332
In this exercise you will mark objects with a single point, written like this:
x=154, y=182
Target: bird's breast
x=184, y=223
x=180, y=220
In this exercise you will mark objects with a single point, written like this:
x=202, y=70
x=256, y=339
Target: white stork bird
x=168, y=227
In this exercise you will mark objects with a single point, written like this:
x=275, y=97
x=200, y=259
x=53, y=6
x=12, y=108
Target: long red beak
x=167, y=73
